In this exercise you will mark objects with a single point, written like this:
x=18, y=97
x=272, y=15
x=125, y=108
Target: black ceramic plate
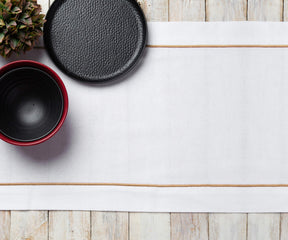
x=95, y=40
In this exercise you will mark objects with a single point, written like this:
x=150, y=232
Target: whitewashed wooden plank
x=264, y=226
x=29, y=225
x=226, y=10
x=186, y=10
x=109, y=225
x=285, y=10
x=69, y=225
x=44, y=4
x=5, y=225
x=189, y=226
x=284, y=226
x=155, y=10
x=148, y=226
x=265, y=10
x=227, y=226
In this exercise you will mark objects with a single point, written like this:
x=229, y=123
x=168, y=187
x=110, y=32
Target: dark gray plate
x=95, y=40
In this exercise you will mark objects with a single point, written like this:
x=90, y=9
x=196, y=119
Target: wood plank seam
x=247, y=9
x=91, y=225
x=208, y=226
x=247, y=222
x=282, y=17
x=205, y=7
x=168, y=10
x=128, y=226
x=170, y=226
x=280, y=228
x=284, y=10
x=48, y=212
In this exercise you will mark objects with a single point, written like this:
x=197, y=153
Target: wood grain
x=155, y=10
x=148, y=226
x=285, y=10
x=226, y=10
x=5, y=225
x=29, y=225
x=265, y=10
x=186, y=10
x=69, y=225
x=227, y=226
x=264, y=226
x=284, y=226
x=109, y=226
x=189, y=226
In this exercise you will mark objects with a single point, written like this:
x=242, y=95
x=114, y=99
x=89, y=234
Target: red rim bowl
x=27, y=63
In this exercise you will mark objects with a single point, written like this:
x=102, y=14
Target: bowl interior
x=31, y=104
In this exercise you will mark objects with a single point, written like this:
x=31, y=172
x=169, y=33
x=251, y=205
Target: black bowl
x=31, y=104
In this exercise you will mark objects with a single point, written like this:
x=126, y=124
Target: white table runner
x=200, y=125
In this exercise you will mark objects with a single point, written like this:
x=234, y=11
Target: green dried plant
x=20, y=25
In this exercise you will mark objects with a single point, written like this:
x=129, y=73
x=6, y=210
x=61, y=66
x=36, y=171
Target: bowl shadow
x=52, y=149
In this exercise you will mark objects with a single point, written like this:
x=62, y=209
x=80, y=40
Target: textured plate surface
x=95, y=40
